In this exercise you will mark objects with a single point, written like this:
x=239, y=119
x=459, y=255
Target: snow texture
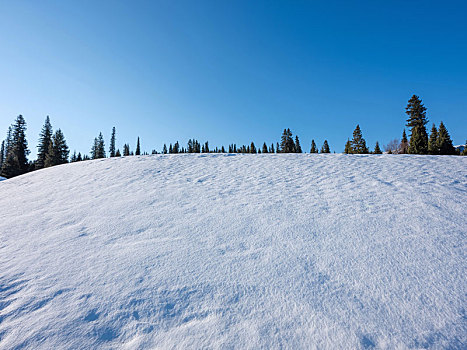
x=236, y=251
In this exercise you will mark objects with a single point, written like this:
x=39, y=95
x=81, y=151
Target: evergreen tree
x=358, y=144
x=377, y=149
x=126, y=150
x=205, y=148
x=252, y=148
x=287, y=143
x=298, y=148
x=45, y=138
x=433, y=141
x=348, y=147
x=117, y=153
x=444, y=141
x=222, y=149
x=78, y=158
x=404, y=145
x=138, y=148
x=271, y=149
x=2, y=154
x=73, y=157
x=16, y=160
x=164, y=149
x=416, y=121
x=176, y=148
x=313, y=148
x=58, y=150
x=325, y=148
x=112, y=144
x=265, y=148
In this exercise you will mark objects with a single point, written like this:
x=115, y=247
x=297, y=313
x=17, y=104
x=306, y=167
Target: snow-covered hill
x=236, y=251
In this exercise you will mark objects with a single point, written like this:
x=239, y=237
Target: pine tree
x=287, y=143
x=126, y=150
x=252, y=148
x=16, y=160
x=358, y=144
x=58, y=150
x=348, y=147
x=73, y=157
x=98, y=148
x=138, y=148
x=176, y=148
x=112, y=144
x=404, y=145
x=298, y=148
x=444, y=141
x=2, y=154
x=433, y=141
x=271, y=149
x=44, y=140
x=265, y=148
x=313, y=148
x=325, y=148
x=117, y=153
x=416, y=111
x=78, y=158
x=377, y=149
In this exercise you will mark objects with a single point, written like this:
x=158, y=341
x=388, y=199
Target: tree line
x=53, y=149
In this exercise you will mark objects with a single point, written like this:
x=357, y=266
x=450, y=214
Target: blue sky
x=231, y=71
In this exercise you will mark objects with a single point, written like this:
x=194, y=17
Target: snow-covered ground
x=236, y=251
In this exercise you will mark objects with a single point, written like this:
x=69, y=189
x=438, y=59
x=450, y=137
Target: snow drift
x=236, y=251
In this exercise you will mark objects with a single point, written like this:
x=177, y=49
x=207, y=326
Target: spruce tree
x=138, y=148
x=433, y=141
x=252, y=148
x=78, y=158
x=325, y=148
x=416, y=121
x=358, y=144
x=112, y=144
x=271, y=149
x=16, y=160
x=44, y=140
x=464, y=152
x=94, y=149
x=377, y=149
x=265, y=148
x=126, y=150
x=73, y=157
x=348, y=147
x=444, y=141
x=404, y=145
x=287, y=143
x=2, y=154
x=58, y=150
x=298, y=148
x=164, y=149
x=101, y=146
x=313, y=148
x=118, y=154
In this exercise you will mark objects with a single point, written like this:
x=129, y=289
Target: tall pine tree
x=265, y=148
x=358, y=144
x=16, y=159
x=2, y=154
x=377, y=149
x=444, y=141
x=45, y=138
x=58, y=150
x=313, y=148
x=138, y=148
x=433, y=141
x=416, y=121
x=404, y=145
x=348, y=147
x=287, y=143
x=112, y=143
x=325, y=148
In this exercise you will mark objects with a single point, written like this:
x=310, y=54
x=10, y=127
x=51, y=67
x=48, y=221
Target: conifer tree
x=222, y=149
x=138, y=148
x=98, y=148
x=117, y=153
x=325, y=148
x=416, y=121
x=73, y=157
x=313, y=148
x=265, y=148
x=433, y=141
x=78, y=158
x=176, y=148
x=112, y=144
x=377, y=149
x=298, y=148
x=348, y=147
x=404, y=145
x=164, y=149
x=58, y=150
x=44, y=140
x=287, y=143
x=252, y=148
x=2, y=154
x=444, y=141
x=358, y=144
x=16, y=161
x=126, y=150
x=271, y=149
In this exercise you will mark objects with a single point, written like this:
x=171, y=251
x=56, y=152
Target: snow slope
x=236, y=251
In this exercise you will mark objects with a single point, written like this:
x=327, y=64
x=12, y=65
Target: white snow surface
x=293, y=251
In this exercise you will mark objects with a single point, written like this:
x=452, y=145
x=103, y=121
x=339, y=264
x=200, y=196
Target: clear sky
x=231, y=71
